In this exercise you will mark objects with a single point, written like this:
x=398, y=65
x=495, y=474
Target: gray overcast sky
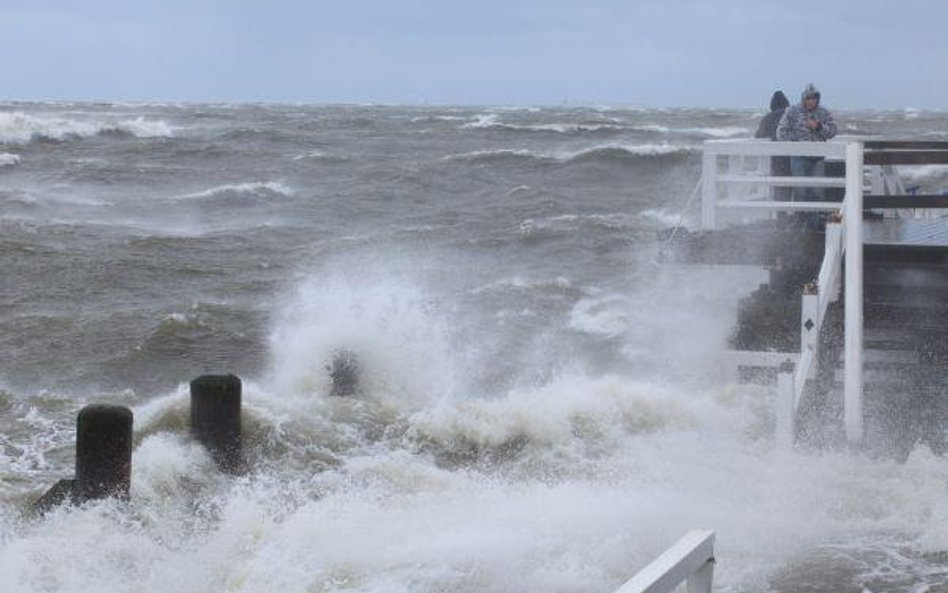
x=654, y=53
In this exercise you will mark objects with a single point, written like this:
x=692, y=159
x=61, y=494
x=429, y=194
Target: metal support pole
x=852, y=397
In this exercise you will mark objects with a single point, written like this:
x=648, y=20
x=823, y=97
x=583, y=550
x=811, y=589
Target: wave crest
x=20, y=128
x=490, y=121
x=605, y=152
x=256, y=188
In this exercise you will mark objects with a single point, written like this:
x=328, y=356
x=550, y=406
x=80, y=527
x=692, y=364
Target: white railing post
x=833, y=236
x=709, y=189
x=785, y=408
x=810, y=324
x=852, y=218
x=701, y=580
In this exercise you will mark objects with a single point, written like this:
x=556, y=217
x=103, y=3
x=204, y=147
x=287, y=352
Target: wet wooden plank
x=906, y=231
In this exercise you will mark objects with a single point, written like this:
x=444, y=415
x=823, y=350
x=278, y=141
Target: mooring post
x=103, y=452
x=215, y=418
x=344, y=372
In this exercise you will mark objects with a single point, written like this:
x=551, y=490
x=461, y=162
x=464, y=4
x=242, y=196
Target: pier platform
x=851, y=329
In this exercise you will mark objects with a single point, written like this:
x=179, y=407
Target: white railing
x=735, y=174
x=690, y=560
x=816, y=299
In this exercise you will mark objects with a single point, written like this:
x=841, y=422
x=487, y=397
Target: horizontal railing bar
x=906, y=157
x=784, y=181
x=674, y=566
x=749, y=147
x=906, y=201
x=795, y=206
x=906, y=144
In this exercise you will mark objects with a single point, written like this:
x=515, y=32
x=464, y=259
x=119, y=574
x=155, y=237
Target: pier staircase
x=905, y=363
x=852, y=326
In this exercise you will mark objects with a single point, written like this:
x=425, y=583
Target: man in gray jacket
x=807, y=122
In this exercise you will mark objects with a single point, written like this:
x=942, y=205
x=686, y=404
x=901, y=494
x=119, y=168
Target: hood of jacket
x=810, y=91
x=779, y=101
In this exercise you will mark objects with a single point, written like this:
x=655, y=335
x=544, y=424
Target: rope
x=681, y=223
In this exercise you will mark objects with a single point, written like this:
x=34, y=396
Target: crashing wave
x=20, y=128
x=250, y=188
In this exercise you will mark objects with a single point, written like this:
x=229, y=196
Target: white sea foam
x=629, y=150
x=654, y=128
x=607, y=151
x=436, y=118
x=485, y=120
x=492, y=121
x=320, y=155
x=925, y=174
x=19, y=128
x=724, y=132
x=375, y=311
x=8, y=160
x=571, y=222
x=520, y=283
x=609, y=316
x=499, y=154
x=663, y=217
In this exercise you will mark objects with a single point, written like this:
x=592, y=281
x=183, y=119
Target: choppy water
x=541, y=406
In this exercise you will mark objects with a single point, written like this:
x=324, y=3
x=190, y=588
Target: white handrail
x=815, y=303
x=690, y=560
x=737, y=187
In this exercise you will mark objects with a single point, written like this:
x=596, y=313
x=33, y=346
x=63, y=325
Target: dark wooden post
x=344, y=372
x=103, y=452
x=215, y=418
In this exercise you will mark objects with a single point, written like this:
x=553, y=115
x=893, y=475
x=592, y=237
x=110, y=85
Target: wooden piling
x=215, y=419
x=103, y=452
x=344, y=372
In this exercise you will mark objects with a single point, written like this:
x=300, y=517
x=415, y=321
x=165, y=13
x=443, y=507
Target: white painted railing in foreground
x=852, y=228
x=816, y=299
x=690, y=560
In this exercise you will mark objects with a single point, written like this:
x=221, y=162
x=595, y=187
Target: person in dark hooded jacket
x=768, y=124
x=779, y=165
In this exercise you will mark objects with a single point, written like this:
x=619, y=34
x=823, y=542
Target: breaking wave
x=320, y=156
x=608, y=152
x=725, y=132
x=257, y=188
x=8, y=160
x=491, y=121
x=20, y=128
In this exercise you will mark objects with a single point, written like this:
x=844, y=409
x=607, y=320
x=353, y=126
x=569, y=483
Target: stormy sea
x=541, y=404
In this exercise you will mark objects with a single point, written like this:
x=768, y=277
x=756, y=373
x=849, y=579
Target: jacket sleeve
x=827, y=126
x=783, y=128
